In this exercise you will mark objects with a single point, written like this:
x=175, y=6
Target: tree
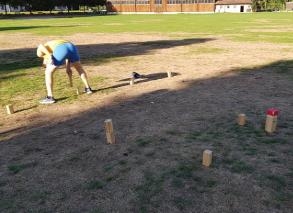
x=4, y=2
x=268, y=5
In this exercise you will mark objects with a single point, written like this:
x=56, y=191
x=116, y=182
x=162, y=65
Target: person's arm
x=43, y=50
x=69, y=72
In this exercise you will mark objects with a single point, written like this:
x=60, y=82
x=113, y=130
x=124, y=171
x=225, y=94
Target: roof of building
x=229, y=2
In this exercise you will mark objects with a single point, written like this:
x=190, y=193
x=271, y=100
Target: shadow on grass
x=151, y=77
x=21, y=28
x=33, y=27
x=27, y=108
x=198, y=106
x=217, y=87
x=92, y=53
x=143, y=79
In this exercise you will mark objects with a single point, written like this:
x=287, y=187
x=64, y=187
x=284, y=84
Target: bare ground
x=55, y=158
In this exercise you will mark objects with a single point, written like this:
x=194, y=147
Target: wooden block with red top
x=271, y=120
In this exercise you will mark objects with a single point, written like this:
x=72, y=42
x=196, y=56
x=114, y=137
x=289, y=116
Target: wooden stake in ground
x=207, y=157
x=9, y=109
x=271, y=120
x=109, y=131
x=169, y=74
x=241, y=120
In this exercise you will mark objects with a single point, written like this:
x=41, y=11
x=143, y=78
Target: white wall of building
x=60, y=8
x=11, y=9
x=233, y=8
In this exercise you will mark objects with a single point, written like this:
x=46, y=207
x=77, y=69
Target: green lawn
x=271, y=27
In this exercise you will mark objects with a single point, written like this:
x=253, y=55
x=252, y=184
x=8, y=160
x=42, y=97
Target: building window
x=142, y=1
x=123, y=1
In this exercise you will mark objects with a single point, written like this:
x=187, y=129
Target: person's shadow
x=141, y=79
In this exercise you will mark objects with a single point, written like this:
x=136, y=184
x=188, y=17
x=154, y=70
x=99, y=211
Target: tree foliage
x=38, y=5
x=268, y=5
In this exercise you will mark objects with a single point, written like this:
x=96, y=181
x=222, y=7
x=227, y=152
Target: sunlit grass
x=28, y=86
x=22, y=79
x=249, y=27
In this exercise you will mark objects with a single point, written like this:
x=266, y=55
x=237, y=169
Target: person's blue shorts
x=65, y=51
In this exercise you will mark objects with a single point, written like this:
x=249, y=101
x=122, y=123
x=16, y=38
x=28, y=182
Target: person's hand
x=48, y=60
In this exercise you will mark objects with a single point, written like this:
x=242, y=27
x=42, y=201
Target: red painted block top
x=272, y=112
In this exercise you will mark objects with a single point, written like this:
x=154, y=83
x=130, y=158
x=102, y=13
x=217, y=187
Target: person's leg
x=49, y=84
x=69, y=72
x=49, y=79
x=74, y=59
x=77, y=65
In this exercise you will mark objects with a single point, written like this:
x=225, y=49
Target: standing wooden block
x=241, y=119
x=169, y=74
x=9, y=109
x=131, y=81
x=109, y=131
x=271, y=123
x=207, y=158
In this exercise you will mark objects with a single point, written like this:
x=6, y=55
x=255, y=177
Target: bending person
x=55, y=53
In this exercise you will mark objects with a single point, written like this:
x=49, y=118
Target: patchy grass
x=95, y=184
x=16, y=168
x=182, y=203
x=238, y=166
x=142, y=142
x=25, y=85
x=159, y=170
x=151, y=187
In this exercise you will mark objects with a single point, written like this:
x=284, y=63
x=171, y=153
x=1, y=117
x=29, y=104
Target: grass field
x=260, y=27
x=272, y=27
x=54, y=158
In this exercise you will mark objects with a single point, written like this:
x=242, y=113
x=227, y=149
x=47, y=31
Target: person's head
x=40, y=52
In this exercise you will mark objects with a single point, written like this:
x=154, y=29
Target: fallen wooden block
x=9, y=109
x=131, y=82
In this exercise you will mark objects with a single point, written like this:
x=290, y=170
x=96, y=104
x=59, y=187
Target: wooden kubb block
x=9, y=109
x=109, y=131
x=271, y=123
x=241, y=120
x=131, y=82
x=169, y=74
x=207, y=158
